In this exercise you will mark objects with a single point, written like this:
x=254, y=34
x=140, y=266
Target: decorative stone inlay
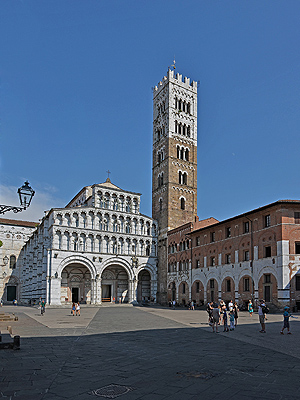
x=112, y=391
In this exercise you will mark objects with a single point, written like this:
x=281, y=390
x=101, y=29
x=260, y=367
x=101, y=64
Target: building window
x=267, y=220
x=212, y=283
x=246, y=227
x=228, y=232
x=246, y=285
x=183, y=288
x=182, y=204
x=228, y=285
x=212, y=236
x=197, y=287
x=227, y=258
x=297, y=217
x=297, y=282
x=12, y=262
x=160, y=204
x=212, y=261
x=246, y=255
x=267, y=251
x=267, y=278
x=198, y=241
x=197, y=263
x=297, y=248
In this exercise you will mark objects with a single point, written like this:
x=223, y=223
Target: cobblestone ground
x=130, y=353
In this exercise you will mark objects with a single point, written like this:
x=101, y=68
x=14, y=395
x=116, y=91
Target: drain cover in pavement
x=198, y=374
x=112, y=391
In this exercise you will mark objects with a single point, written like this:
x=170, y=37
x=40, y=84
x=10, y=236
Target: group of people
x=218, y=315
x=75, y=309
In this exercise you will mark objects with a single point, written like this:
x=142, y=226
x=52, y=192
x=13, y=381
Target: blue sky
x=76, y=100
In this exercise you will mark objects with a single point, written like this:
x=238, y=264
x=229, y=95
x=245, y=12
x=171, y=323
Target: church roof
x=110, y=185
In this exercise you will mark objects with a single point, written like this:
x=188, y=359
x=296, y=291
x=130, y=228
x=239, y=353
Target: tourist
x=250, y=308
x=235, y=311
x=225, y=319
x=209, y=309
x=230, y=305
x=286, y=322
x=192, y=305
x=231, y=317
x=1, y=303
x=77, y=309
x=262, y=316
x=215, y=317
x=43, y=306
x=174, y=304
x=73, y=309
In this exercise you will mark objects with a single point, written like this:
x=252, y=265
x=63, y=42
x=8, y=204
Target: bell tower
x=174, y=173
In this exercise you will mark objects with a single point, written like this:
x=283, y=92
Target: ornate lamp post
x=26, y=194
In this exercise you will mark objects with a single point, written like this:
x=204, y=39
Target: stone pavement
x=147, y=353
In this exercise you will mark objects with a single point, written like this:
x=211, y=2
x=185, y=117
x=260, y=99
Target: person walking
x=209, y=309
x=43, y=307
x=174, y=304
x=235, y=311
x=250, y=308
x=73, y=309
x=231, y=317
x=286, y=322
x=77, y=306
x=225, y=319
x=192, y=305
x=215, y=317
x=262, y=316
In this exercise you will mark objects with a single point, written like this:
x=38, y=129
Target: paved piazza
x=147, y=353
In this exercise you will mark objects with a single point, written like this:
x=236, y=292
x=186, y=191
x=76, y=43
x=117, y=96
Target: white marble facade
x=99, y=248
x=13, y=235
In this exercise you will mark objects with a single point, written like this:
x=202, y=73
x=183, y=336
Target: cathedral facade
x=99, y=248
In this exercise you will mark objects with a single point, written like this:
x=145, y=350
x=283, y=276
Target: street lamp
x=26, y=194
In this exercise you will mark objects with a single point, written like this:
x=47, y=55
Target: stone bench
x=7, y=341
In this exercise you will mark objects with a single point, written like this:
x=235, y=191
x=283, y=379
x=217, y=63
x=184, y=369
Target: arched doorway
x=144, y=286
x=114, y=284
x=198, y=292
x=75, y=284
x=212, y=290
x=228, y=289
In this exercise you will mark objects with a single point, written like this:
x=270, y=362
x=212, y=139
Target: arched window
x=59, y=240
x=76, y=219
x=187, y=154
x=67, y=240
x=148, y=250
x=160, y=204
x=188, y=131
x=184, y=178
x=182, y=203
x=178, y=152
x=189, y=108
x=12, y=262
x=181, y=153
x=128, y=205
x=180, y=177
x=176, y=126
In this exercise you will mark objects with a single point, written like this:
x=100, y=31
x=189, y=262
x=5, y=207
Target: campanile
x=174, y=173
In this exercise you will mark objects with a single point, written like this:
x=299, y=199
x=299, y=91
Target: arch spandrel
x=77, y=259
x=117, y=261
